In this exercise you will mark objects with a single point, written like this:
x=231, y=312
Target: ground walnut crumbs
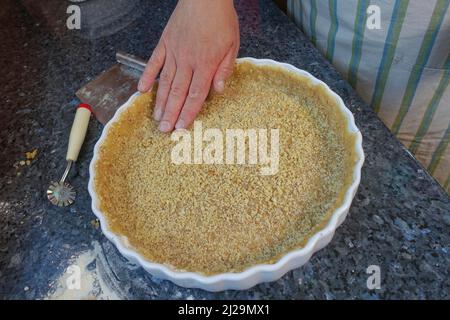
x=224, y=218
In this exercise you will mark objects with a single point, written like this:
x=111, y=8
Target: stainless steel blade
x=113, y=87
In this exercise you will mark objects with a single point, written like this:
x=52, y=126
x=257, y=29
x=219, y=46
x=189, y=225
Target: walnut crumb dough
x=225, y=218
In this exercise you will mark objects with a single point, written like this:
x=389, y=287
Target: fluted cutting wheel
x=61, y=194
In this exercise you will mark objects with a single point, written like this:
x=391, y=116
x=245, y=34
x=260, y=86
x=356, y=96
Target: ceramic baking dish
x=257, y=273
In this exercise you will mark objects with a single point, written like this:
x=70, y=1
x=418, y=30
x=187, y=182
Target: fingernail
x=180, y=124
x=220, y=86
x=165, y=126
x=158, y=113
x=140, y=85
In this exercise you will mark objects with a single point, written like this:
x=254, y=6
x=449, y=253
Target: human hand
x=196, y=51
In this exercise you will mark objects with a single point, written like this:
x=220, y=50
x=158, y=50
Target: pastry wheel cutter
x=101, y=97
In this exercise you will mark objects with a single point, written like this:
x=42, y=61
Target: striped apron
x=396, y=54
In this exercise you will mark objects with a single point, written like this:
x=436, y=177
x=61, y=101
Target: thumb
x=224, y=70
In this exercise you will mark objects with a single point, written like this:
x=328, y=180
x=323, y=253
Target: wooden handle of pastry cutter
x=78, y=131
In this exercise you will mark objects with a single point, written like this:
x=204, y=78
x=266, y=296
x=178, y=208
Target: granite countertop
x=399, y=220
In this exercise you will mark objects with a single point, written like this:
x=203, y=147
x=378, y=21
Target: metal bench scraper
x=112, y=88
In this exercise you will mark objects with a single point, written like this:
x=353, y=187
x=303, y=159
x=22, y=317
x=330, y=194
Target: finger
x=165, y=82
x=224, y=70
x=177, y=96
x=154, y=65
x=198, y=91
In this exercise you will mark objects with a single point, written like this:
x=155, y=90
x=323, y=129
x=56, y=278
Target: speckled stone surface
x=399, y=220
